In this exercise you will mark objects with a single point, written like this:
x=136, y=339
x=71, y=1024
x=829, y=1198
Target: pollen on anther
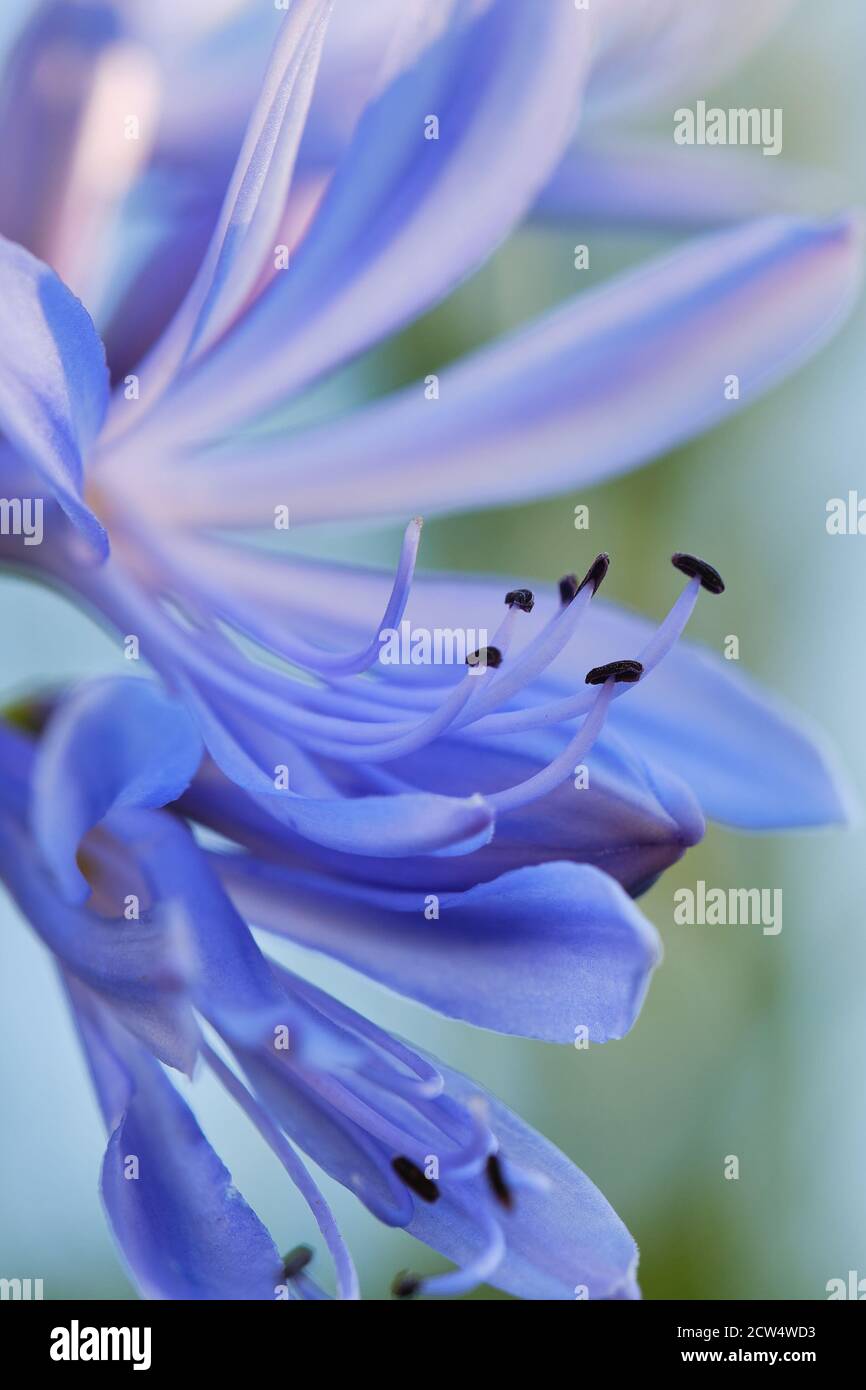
x=710, y=578
x=405, y=1284
x=296, y=1261
x=568, y=587
x=596, y=572
x=486, y=656
x=627, y=671
x=496, y=1178
x=524, y=599
x=415, y=1179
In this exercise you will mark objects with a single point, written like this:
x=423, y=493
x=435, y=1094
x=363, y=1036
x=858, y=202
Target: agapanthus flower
x=158, y=961
x=420, y=822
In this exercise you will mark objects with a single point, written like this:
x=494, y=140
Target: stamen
x=405, y=1284
x=596, y=572
x=217, y=602
x=347, y=1279
x=628, y=671
x=309, y=1290
x=665, y=637
x=535, y=657
x=478, y=1270
x=549, y=778
x=568, y=588
x=426, y=1082
x=524, y=599
x=415, y=1180
x=295, y=1261
x=486, y=656
x=500, y=1187
x=710, y=578
x=29, y=715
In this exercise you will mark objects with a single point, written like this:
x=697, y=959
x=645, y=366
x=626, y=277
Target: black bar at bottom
x=68, y=1338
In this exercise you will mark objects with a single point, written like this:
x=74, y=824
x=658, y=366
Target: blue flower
x=471, y=834
x=159, y=960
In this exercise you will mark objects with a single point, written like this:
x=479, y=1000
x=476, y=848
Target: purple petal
x=648, y=183
x=136, y=966
x=53, y=380
x=564, y=1241
x=537, y=952
x=650, y=55
x=112, y=743
x=184, y=1230
x=365, y=267
x=48, y=79
x=631, y=821
x=605, y=383
x=242, y=247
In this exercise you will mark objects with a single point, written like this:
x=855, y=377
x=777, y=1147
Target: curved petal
x=183, y=1228
x=639, y=183
x=537, y=952
x=230, y=982
x=655, y=51
x=53, y=380
x=365, y=267
x=113, y=742
x=605, y=383
x=558, y=1239
x=242, y=244
x=563, y=1239
x=46, y=85
x=631, y=821
x=136, y=966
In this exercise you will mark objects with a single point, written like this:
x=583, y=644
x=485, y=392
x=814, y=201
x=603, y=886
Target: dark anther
x=28, y=715
x=596, y=572
x=405, y=1284
x=415, y=1180
x=568, y=587
x=710, y=579
x=496, y=1178
x=524, y=599
x=487, y=656
x=628, y=671
x=296, y=1261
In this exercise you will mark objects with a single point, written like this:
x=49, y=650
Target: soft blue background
x=748, y=1045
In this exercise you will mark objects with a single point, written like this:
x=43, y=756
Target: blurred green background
x=747, y=1045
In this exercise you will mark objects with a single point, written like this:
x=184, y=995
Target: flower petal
x=183, y=1229
x=641, y=183
x=136, y=966
x=113, y=742
x=365, y=267
x=631, y=821
x=46, y=84
x=563, y=1240
x=53, y=380
x=537, y=952
x=242, y=245
x=655, y=51
x=605, y=383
